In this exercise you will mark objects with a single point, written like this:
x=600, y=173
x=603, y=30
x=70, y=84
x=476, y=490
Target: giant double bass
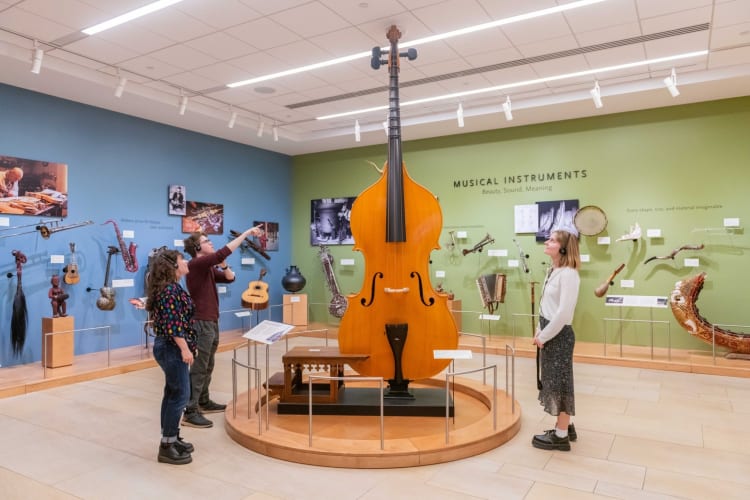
x=397, y=317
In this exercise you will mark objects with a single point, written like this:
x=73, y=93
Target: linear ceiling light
x=671, y=83
x=421, y=41
x=524, y=83
x=507, y=109
x=596, y=95
x=120, y=86
x=129, y=16
x=36, y=58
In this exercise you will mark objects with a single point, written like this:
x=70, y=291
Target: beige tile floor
x=642, y=434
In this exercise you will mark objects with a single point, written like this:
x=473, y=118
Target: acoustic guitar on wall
x=256, y=295
x=71, y=270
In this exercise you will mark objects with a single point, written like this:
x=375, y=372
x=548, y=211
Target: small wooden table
x=314, y=358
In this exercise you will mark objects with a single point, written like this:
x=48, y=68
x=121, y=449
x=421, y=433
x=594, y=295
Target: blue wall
x=119, y=167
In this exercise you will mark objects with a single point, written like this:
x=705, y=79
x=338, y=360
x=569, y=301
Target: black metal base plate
x=427, y=402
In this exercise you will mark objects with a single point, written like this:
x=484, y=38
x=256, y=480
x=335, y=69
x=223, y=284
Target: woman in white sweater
x=555, y=337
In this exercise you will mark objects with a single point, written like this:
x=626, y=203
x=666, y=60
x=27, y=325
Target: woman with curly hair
x=171, y=310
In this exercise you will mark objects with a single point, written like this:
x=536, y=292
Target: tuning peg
x=410, y=54
x=375, y=62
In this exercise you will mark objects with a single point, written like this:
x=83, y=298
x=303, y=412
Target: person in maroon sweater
x=207, y=267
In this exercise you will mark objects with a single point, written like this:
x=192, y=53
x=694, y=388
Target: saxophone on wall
x=128, y=253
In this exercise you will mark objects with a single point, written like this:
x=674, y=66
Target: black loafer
x=550, y=441
x=572, y=435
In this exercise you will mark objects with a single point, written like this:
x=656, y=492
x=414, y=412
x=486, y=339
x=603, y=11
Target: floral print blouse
x=173, y=312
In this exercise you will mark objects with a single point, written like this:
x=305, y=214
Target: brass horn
x=479, y=246
x=46, y=232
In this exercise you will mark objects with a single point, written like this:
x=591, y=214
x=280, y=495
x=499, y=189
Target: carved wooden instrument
x=71, y=270
x=675, y=252
x=19, y=317
x=256, y=295
x=602, y=289
x=479, y=246
x=106, y=302
x=128, y=253
x=683, y=301
x=337, y=306
x=396, y=223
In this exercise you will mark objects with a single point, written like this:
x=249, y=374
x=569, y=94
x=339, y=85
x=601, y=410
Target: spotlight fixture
x=671, y=83
x=385, y=126
x=232, y=119
x=183, y=104
x=596, y=95
x=275, y=133
x=357, y=136
x=460, y=115
x=507, y=109
x=36, y=59
x=261, y=126
x=120, y=86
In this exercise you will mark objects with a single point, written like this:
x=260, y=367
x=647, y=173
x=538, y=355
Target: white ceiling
x=198, y=46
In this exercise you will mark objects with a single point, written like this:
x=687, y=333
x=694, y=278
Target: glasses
x=201, y=242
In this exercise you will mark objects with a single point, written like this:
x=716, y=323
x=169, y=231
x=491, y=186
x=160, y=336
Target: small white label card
x=461, y=234
x=178, y=243
x=585, y=257
x=57, y=259
x=124, y=283
x=732, y=222
x=128, y=233
x=653, y=233
x=497, y=252
x=221, y=289
x=692, y=262
x=242, y=314
x=602, y=240
x=513, y=263
x=451, y=354
x=627, y=283
x=294, y=298
x=440, y=274
x=347, y=262
x=490, y=317
x=4, y=221
x=247, y=261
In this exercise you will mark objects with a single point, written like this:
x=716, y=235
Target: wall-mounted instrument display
x=256, y=295
x=396, y=223
x=128, y=252
x=47, y=231
x=250, y=244
x=19, y=318
x=674, y=252
x=522, y=256
x=106, y=301
x=683, y=301
x=479, y=246
x=337, y=306
x=71, y=270
x=491, y=290
x=590, y=220
x=602, y=289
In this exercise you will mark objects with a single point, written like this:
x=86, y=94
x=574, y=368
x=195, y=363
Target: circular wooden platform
x=354, y=441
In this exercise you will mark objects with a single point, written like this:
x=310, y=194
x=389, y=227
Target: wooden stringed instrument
x=397, y=318
x=256, y=295
x=106, y=301
x=71, y=270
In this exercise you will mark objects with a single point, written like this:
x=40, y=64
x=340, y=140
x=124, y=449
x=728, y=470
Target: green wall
x=677, y=169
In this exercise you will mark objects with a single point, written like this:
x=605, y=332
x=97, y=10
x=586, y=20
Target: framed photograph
x=330, y=221
x=206, y=217
x=33, y=187
x=176, y=200
x=269, y=240
x=555, y=215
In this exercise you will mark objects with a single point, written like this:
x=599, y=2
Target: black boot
x=170, y=454
x=183, y=445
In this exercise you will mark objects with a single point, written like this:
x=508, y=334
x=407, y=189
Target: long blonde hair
x=570, y=254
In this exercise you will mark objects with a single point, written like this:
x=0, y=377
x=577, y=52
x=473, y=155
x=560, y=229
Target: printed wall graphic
x=556, y=215
x=330, y=221
x=176, y=200
x=206, y=217
x=33, y=187
x=269, y=240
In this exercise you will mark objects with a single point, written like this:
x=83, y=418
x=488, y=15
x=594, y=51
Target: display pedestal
x=57, y=349
x=455, y=306
x=295, y=309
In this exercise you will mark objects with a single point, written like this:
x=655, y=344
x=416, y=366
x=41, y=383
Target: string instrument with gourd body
x=397, y=317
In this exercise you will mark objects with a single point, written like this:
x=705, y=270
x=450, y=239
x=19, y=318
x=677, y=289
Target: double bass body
x=396, y=223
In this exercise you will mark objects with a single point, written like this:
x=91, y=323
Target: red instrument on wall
x=397, y=318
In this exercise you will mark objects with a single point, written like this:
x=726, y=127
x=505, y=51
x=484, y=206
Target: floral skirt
x=556, y=361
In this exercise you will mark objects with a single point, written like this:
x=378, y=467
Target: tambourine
x=590, y=220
